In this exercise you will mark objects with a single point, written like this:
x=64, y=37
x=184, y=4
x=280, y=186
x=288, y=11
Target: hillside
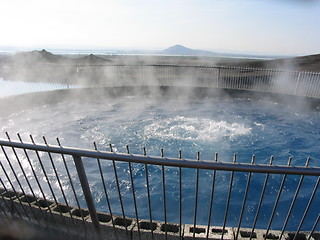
x=175, y=55
x=43, y=57
x=182, y=50
x=304, y=63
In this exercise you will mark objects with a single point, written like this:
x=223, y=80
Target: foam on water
x=208, y=125
x=195, y=129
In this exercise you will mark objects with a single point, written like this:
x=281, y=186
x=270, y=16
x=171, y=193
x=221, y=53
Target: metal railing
x=297, y=83
x=116, y=191
x=134, y=196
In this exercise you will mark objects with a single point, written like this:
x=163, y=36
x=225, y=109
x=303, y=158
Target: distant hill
x=44, y=57
x=91, y=59
x=188, y=57
x=33, y=58
x=303, y=63
x=182, y=50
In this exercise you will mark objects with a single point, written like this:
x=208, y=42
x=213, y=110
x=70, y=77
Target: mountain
x=182, y=50
x=33, y=58
x=91, y=59
x=44, y=57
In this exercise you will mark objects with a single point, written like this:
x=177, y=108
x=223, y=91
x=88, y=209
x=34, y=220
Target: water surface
x=227, y=126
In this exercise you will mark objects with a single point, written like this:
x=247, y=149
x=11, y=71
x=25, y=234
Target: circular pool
x=227, y=125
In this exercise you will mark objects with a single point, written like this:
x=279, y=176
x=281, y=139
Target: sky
x=290, y=27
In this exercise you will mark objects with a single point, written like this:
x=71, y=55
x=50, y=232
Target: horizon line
x=156, y=50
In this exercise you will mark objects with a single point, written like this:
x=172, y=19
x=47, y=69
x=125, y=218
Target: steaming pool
x=229, y=126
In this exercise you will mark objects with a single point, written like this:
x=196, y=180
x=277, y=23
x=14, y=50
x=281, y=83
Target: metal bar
x=180, y=198
x=293, y=201
x=24, y=174
x=196, y=200
x=314, y=82
x=86, y=191
x=164, y=198
x=307, y=208
x=134, y=195
x=5, y=203
x=14, y=206
x=297, y=84
x=314, y=226
x=17, y=179
x=36, y=177
x=47, y=180
x=26, y=178
x=237, y=167
x=277, y=201
x=106, y=193
x=212, y=195
x=228, y=201
x=316, y=85
x=72, y=187
x=59, y=183
x=244, y=199
x=119, y=194
x=148, y=192
x=317, y=88
x=260, y=201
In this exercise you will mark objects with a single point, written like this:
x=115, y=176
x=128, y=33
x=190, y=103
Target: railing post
x=297, y=83
x=86, y=191
x=218, y=80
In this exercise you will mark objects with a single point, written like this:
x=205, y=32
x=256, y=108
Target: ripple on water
x=209, y=125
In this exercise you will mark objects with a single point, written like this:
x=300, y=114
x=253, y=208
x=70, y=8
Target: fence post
x=218, y=77
x=297, y=83
x=86, y=191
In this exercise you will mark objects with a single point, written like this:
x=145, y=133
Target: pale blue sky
x=252, y=26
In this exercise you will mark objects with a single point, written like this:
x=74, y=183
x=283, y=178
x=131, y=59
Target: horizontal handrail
x=165, y=161
x=279, y=81
x=158, y=65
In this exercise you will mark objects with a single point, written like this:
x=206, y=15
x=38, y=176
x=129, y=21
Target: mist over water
x=210, y=125
x=224, y=125
x=143, y=112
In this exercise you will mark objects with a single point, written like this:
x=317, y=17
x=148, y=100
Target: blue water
x=227, y=126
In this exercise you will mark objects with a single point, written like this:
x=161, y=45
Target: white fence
x=239, y=78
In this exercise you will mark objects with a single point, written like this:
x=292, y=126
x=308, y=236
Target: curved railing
x=60, y=193
x=297, y=83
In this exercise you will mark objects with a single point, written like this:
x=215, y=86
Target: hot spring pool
x=226, y=126
x=231, y=126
